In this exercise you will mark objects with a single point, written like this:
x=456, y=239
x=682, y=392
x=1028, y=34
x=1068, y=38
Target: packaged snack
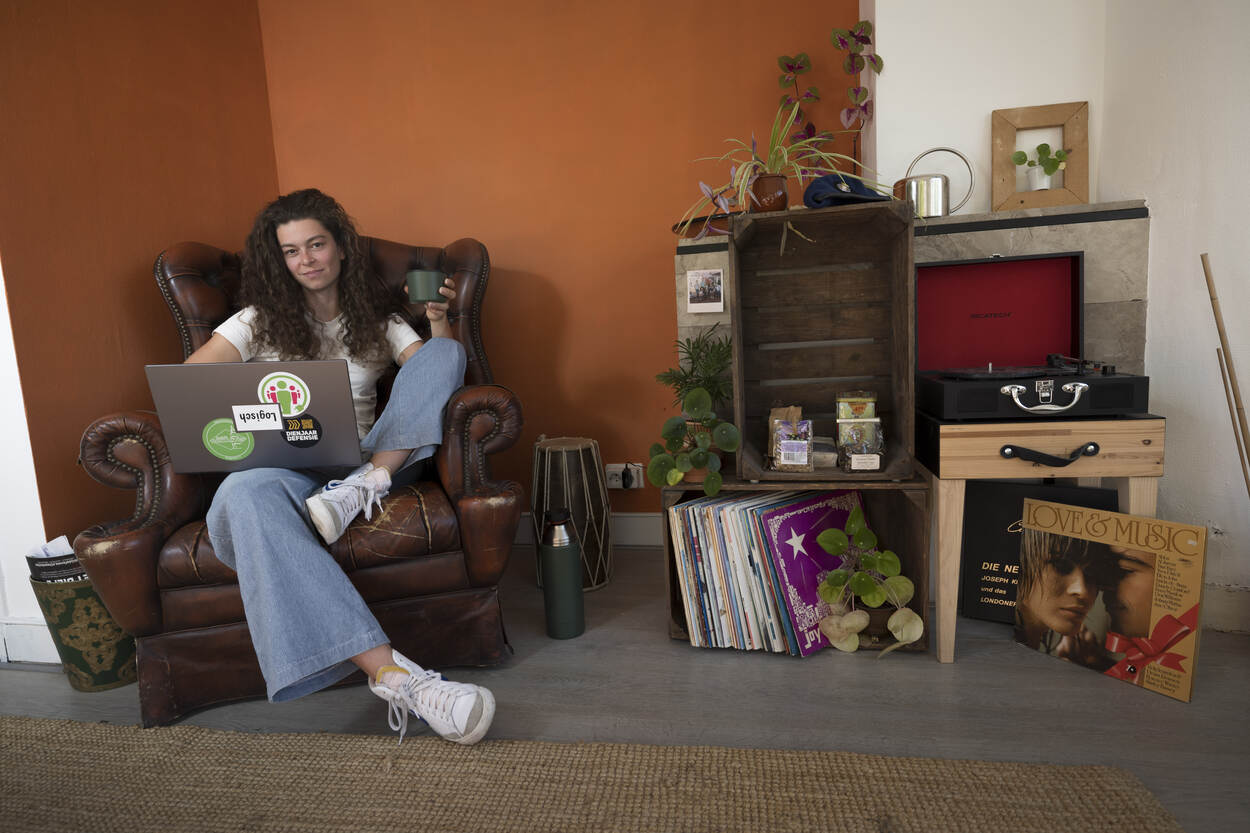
x=860, y=444
x=789, y=439
x=857, y=404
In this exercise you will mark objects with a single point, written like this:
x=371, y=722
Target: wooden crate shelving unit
x=817, y=316
x=899, y=512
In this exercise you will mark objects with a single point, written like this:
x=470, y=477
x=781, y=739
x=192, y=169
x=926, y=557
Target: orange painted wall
x=124, y=127
x=562, y=135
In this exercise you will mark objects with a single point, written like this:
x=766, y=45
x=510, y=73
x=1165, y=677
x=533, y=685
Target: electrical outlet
x=633, y=477
x=615, y=475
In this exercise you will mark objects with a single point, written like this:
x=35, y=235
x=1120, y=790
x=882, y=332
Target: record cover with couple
x=1119, y=594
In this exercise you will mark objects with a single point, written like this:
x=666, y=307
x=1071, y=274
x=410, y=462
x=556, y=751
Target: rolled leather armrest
x=127, y=450
x=481, y=420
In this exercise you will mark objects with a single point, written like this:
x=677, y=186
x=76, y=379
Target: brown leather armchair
x=428, y=564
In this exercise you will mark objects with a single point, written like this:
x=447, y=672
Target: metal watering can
x=929, y=194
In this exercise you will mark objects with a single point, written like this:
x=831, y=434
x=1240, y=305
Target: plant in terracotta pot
x=691, y=443
x=867, y=581
x=758, y=173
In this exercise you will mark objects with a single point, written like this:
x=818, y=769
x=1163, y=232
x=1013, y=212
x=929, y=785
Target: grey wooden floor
x=624, y=680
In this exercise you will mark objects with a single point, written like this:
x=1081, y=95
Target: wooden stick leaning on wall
x=1232, y=414
x=1227, y=368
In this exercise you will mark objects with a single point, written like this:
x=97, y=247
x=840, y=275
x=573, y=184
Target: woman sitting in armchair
x=307, y=293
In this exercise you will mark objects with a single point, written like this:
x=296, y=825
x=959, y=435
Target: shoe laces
x=427, y=695
x=364, y=494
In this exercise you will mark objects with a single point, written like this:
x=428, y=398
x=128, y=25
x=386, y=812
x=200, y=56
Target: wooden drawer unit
x=1126, y=447
x=824, y=303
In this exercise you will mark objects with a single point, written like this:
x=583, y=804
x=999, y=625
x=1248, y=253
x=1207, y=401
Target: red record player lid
x=1009, y=311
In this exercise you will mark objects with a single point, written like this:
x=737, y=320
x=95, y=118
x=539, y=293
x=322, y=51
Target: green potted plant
x=702, y=362
x=690, y=444
x=1043, y=167
x=757, y=174
x=868, y=579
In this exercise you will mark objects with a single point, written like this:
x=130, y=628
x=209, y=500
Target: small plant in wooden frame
x=1073, y=118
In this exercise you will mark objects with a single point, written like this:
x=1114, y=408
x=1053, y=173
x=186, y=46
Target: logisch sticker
x=225, y=443
x=257, y=417
x=302, y=431
x=286, y=390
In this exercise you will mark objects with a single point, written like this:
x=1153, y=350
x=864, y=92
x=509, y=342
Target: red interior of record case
x=1008, y=312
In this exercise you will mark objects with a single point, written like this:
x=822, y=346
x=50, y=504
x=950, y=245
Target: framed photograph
x=705, y=290
x=1073, y=118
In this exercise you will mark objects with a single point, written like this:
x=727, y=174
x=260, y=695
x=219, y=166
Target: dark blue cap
x=837, y=189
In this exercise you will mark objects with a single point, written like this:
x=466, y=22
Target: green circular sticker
x=223, y=442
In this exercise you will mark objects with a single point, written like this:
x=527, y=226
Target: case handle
x=1074, y=388
x=1042, y=458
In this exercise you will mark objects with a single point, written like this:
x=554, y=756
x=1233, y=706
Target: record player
x=1064, y=387
x=1001, y=339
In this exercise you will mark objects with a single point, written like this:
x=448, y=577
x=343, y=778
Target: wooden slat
x=872, y=359
x=813, y=322
x=820, y=286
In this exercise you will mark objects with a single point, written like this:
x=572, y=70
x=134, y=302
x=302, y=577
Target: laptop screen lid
x=230, y=416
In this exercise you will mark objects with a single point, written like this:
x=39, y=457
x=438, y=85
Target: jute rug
x=60, y=775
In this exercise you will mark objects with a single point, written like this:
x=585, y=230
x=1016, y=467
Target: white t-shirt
x=239, y=330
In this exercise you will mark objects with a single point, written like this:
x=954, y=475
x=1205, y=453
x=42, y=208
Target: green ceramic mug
x=423, y=285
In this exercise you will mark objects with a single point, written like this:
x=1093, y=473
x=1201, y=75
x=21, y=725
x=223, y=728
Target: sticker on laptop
x=286, y=390
x=257, y=417
x=225, y=443
x=302, y=431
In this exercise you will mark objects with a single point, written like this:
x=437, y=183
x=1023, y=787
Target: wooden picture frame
x=1073, y=117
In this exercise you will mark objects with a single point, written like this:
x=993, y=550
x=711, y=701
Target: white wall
x=949, y=64
x=1177, y=116
x=1168, y=123
x=23, y=634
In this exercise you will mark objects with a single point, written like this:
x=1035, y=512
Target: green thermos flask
x=560, y=560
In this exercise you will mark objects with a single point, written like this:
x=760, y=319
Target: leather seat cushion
x=413, y=522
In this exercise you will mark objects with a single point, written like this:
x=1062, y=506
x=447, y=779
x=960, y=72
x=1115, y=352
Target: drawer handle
x=1074, y=388
x=1013, y=451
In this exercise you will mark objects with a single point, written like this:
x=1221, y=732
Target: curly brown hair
x=282, y=319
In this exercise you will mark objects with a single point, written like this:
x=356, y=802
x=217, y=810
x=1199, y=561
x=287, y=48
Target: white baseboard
x=629, y=529
x=26, y=640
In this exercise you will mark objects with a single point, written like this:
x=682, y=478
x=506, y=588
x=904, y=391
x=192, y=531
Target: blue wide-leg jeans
x=305, y=617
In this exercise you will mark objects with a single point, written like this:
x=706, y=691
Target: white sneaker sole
x=323, y=520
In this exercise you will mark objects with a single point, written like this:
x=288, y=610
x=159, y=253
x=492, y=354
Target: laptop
x=230, y=416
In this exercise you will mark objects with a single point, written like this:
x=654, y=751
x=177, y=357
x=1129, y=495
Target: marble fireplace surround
x=1115, y=238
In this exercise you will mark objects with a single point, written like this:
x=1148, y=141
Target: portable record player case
x=1002, y=338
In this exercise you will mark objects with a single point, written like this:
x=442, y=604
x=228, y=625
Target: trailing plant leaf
x=899, y=590
x=698, y=404
x=865, y=538
x=713, y=463
x=675, y=476
x=684, y=463
x=906, y=626
x=658, y=469
x=833, y=541
x=656, y=448
x=712, y=483
x=727, y=437
x=674, y=428
x=888, y=564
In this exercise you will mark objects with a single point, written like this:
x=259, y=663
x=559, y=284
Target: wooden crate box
x=898, y=512
x=813, y=319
